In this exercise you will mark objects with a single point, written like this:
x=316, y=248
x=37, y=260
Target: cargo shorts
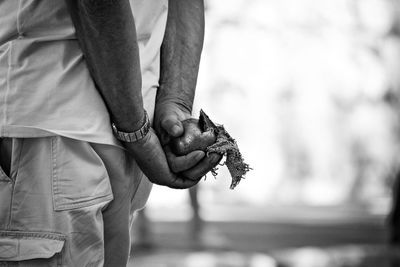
x=55, y=203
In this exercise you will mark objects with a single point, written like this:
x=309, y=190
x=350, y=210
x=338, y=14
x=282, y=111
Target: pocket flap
x=19, y=246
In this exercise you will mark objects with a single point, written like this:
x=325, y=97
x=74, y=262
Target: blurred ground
x=263, y=239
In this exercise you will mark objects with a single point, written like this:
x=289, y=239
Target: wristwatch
x=133, y=136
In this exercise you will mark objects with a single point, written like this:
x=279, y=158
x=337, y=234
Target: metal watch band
x=133, y=136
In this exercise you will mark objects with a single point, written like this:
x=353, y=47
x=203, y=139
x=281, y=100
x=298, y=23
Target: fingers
x=183, y=183
x=172, y=125
x=181, y=163
x=203, y=167
x=153, y=161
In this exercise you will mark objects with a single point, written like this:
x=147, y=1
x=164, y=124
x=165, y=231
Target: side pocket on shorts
x=80, y=178
x=25, y=246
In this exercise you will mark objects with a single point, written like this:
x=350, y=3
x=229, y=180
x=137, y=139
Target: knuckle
x=174, y=166
x=164, y=124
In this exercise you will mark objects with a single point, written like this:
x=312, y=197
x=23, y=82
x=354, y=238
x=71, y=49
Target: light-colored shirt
x=45, y=85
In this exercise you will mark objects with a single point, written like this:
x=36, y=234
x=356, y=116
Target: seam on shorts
x=33, y=235
x=83, y=203
x=53, y=159
x=19, y=24
x=17, y=144
x=9, y=67
x=95, y=263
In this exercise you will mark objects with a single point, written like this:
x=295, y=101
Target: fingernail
x=200, y=155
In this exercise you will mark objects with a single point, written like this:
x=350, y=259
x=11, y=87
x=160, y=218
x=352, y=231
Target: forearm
x=106, y=33
x=180, y=52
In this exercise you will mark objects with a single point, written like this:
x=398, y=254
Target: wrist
x=135, y=135
x=183, y=105
x=130, y=122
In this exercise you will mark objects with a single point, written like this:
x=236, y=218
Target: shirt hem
x=18, y=131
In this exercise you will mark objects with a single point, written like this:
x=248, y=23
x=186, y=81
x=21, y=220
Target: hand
x=167, y=122
x=153, y=162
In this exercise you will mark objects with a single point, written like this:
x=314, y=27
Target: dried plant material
x=227, y=146
x=203, y=134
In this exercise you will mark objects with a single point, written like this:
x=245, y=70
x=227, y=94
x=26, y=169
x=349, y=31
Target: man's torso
x=45, y=86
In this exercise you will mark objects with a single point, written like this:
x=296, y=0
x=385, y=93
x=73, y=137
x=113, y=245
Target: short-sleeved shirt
x=45, y=85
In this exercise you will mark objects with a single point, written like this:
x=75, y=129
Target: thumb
x=172, y=125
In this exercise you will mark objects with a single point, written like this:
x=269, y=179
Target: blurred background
x=310, y=90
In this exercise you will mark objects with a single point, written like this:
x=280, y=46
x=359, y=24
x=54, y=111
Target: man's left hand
x=168, y=125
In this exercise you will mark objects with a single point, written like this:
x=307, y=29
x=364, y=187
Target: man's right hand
x=152, y=160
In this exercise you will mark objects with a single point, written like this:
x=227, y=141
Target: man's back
x=45, y=85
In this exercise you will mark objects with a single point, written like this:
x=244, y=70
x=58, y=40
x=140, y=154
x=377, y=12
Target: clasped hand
x=159, y=163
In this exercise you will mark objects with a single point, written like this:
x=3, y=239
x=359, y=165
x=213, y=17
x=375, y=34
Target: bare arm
x=180, y=59
x=180, y=52
x=106, y=32
x=107, y=36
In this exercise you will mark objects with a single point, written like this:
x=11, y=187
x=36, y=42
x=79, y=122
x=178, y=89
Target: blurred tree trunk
x=391, y=60
x=390, y=53
x=394, y=218
x=393, y=99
